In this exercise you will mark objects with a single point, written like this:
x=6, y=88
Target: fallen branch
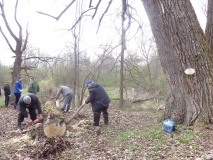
x=68, y=121
x=141, y=100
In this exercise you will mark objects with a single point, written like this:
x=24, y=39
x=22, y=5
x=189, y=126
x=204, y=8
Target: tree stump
x=53, y=123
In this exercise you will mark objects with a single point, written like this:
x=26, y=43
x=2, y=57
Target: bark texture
x=175, y=103
x=182, y=44
x=209, y=25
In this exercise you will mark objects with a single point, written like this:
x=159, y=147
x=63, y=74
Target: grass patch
x=152, y=132
x=124, y=136
x=185, y=137
x=112, y=92
x=156, y=131
x=2, y=101
x=187, y=134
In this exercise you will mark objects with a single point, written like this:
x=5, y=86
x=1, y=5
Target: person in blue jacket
x=17, y=90
x=99, y=100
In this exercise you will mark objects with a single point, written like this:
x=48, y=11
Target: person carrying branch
x=99, y=100
x=67, y=94
x=31, y=102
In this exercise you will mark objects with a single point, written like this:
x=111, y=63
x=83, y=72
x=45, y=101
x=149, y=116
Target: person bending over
x=99, y=100
x=31, y=102
x=67, y=94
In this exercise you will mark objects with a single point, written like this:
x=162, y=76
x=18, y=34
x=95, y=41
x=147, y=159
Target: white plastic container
x=57, y=103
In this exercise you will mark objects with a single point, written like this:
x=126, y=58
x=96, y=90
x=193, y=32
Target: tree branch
x=6, y=22
x=20, y=28
x=80, y=17
x=96, y=8
x=26, y=40
x=106, y=10
x=90, y=4
x=59, y=16
x=7, y=40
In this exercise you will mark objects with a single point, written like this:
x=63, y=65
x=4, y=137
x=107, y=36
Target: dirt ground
x=133, y=134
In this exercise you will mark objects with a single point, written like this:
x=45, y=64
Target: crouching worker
x=31, y=102
x=99, y=100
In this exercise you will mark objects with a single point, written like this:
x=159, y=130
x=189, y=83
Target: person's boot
x=96, y=119
x=15, y=105
x=67, y=110
x=19, y=127
x=106, y=119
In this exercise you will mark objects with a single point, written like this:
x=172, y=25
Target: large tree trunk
x=190, y=96
x=17, y=67
x=209, y=25
x=175, y=107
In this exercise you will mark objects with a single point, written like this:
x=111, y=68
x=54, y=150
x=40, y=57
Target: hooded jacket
x=97, y=97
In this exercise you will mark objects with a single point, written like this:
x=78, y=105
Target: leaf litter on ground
x=131, y=134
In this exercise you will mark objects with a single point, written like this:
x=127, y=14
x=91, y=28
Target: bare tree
x=125, y=15
x=21, y=42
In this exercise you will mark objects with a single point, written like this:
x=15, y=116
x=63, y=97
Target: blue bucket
x=168, y=125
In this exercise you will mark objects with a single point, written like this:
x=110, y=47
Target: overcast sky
x=51, y=36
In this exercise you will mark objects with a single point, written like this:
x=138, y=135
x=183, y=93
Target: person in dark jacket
x=67, y=94
x=99, y=100
x=17, y=90
x=33, y=86
x=7, y=93
x=31, y=102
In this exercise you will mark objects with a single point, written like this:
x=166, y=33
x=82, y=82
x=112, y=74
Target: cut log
x=53, y=123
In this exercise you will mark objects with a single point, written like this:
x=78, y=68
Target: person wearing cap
x=7, y=93
x=17, y=90
x=99, y=100
x=33, y=86
x=31, y=102
x=67, y=94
